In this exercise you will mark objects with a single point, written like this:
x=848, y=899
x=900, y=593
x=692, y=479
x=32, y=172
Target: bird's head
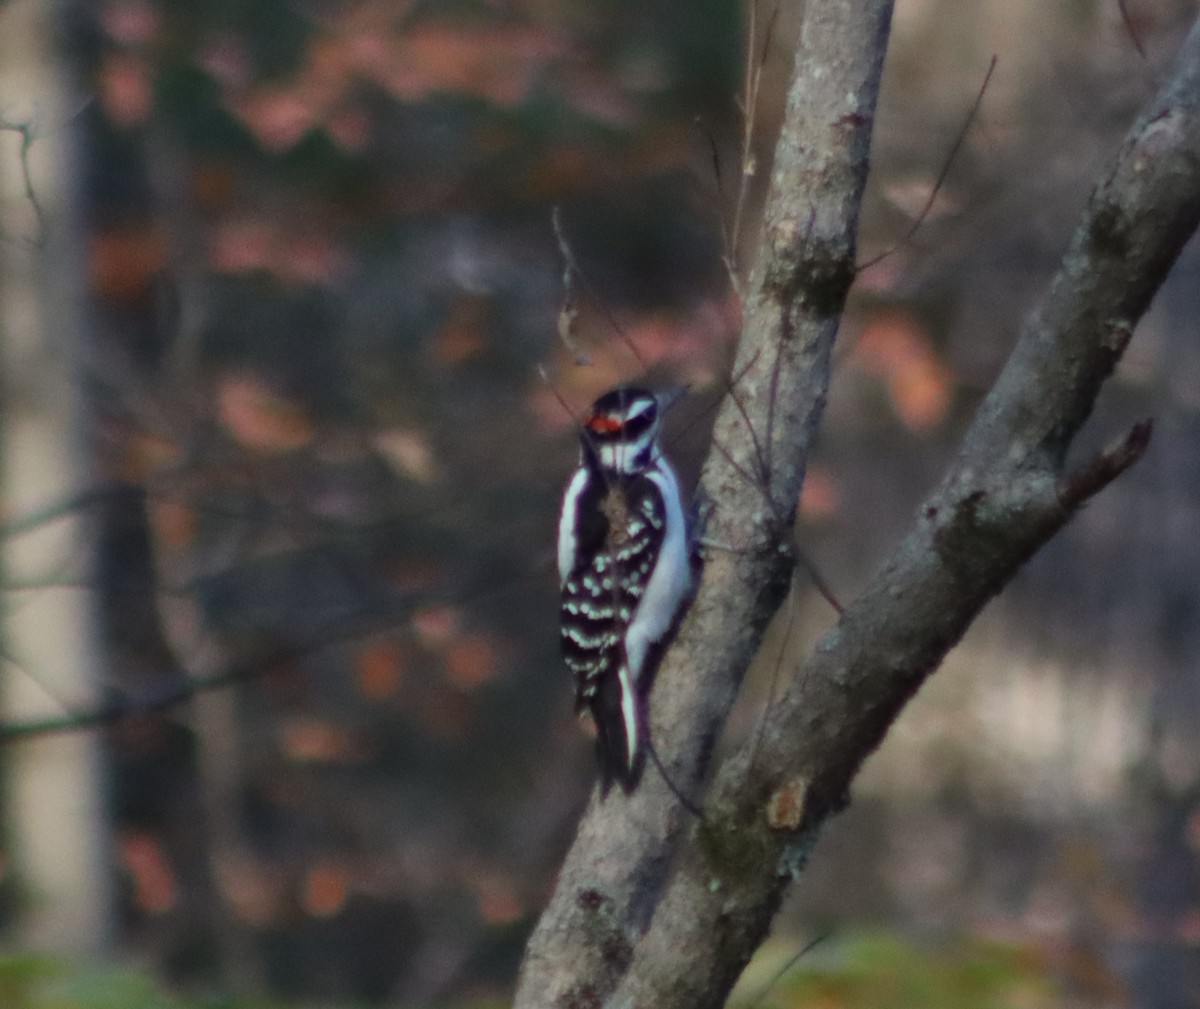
x=620, y=431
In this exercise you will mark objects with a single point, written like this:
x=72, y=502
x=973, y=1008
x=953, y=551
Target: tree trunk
x=656, y=909
x=55, y=790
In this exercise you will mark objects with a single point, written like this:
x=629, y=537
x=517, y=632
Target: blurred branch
x=183, y=688
x=21, y=525
x=655, y=910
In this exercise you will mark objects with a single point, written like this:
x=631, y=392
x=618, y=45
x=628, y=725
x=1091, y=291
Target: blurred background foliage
x=319, y=286
x=866, y=972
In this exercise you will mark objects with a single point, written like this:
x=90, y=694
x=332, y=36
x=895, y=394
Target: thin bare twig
x=393, y=617
x=819, y=581
x=947, y=164
x=570, y=313
x=751, y=86
x=1106, y=466
x=773, y=688
x=791, y=962
x=36, y=519
x=1131, y=29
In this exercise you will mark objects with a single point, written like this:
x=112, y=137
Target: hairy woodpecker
x=624, y=564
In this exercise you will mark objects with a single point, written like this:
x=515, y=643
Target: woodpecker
x=624, y=566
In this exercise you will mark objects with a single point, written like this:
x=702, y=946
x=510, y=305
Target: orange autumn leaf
x=310, y=259
x=895, y=346
x=464, y=334
x=820, y=497
x=380, y=670
x=150, y=874
x=278, y=118
x=921, y=393
x=260, y=418
x=498, y=64
x=499, y=903
x=436, y=625
x=174, y=523
x=326, y=888
x=147, y=454
x=245, y=245
x=240, y=246
x=124, y=89
x=471, y=661
x=314, y=741
x=123, y=261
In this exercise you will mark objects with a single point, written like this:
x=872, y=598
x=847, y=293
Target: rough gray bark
x=655, y=909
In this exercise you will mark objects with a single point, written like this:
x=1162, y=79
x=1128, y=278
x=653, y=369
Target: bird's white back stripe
x=567, y=544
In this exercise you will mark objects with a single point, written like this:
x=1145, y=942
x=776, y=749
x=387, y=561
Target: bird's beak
x=667, y=398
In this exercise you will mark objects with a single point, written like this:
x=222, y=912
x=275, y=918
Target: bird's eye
x=639, y=423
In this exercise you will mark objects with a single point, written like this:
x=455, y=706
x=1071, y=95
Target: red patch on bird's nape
x=603, y=423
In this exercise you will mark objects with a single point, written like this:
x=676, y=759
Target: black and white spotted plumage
x=625, y=572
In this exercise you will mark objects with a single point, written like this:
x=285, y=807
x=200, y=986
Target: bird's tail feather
x=621, y=731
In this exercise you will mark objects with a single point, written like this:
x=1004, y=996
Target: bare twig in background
x=569, y=316
x=788, y=964
x=20, y=525
x=181, y=688
x=940, y=181
x=1131, y=28
x=756, y=58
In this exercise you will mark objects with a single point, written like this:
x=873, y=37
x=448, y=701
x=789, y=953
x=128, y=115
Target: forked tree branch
x=655, y=910
x=614, y=875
